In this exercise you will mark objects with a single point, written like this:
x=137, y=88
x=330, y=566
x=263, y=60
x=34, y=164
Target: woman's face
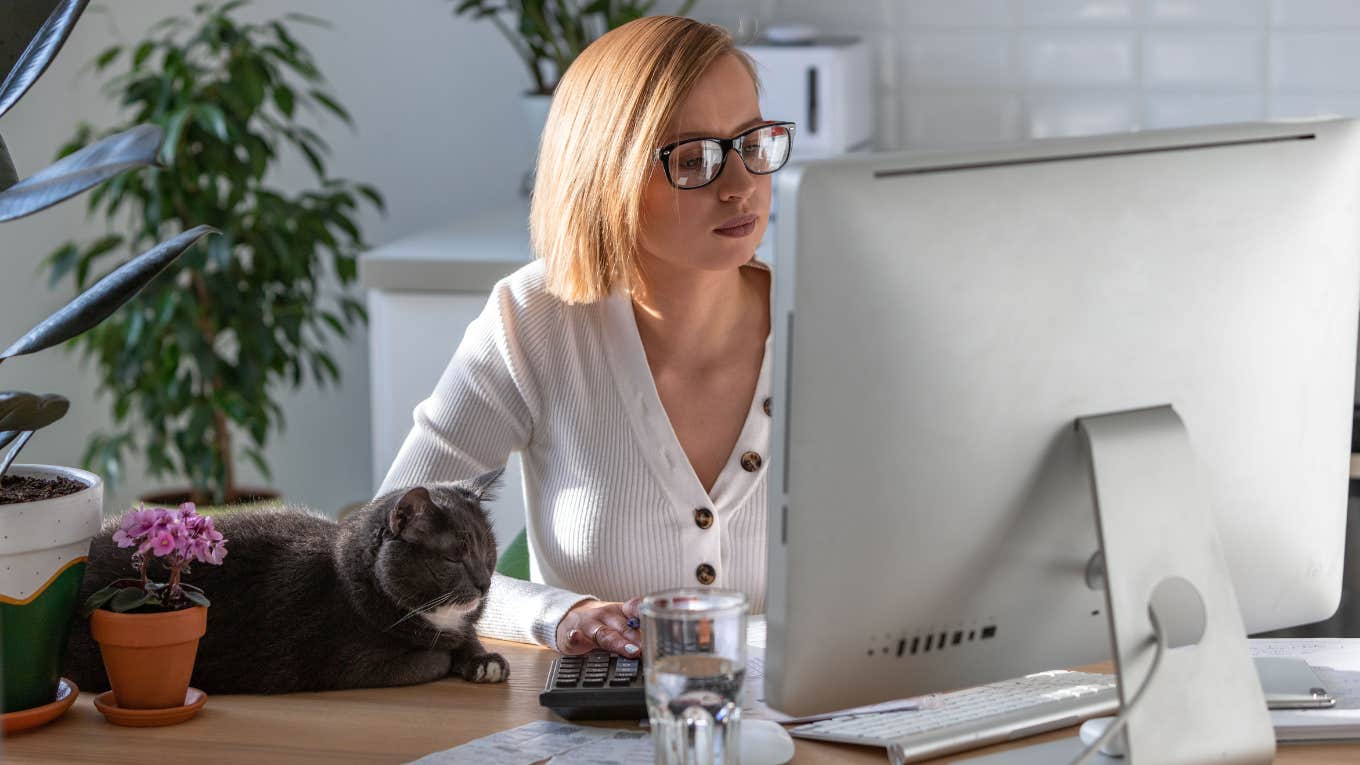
x=681, y=227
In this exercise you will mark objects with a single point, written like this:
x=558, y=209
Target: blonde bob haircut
x=610, y=113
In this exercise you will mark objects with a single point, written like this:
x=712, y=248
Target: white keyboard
x=974, y=717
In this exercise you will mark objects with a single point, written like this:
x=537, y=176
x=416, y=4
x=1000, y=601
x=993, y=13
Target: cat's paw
x=486, y=668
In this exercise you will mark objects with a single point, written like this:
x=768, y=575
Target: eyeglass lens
x=696, y=163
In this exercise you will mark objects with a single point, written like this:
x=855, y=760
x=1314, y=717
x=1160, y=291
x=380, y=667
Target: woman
x=629, y=364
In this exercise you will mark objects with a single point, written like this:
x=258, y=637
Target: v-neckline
x=642, y=399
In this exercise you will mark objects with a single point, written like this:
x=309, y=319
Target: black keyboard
x=597, y=686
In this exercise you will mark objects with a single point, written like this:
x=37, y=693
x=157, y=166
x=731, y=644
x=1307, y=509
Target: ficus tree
x=198, y=360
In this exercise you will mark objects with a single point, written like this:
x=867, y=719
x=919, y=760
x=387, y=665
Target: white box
x=826, y=87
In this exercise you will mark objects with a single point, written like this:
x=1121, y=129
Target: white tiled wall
x=952, y=72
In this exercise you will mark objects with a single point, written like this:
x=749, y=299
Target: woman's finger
x=633, y=610
x=614, y=618
x=613, y=641
x=577, y=643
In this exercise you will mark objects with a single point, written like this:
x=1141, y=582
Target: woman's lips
x=738, y=227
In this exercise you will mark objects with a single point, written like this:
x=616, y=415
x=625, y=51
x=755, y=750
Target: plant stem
x=172, y=592
x=221, y=434
x=529, y=59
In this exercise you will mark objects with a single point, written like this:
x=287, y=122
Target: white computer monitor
x=942, y=318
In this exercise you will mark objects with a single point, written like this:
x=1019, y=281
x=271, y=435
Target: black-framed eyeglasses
x=697, y=162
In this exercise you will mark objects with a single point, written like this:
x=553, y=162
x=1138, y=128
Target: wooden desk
x=378, y=725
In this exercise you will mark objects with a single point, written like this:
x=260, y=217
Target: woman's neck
x=696, y=315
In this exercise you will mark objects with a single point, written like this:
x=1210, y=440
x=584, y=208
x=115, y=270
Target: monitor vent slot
x=934, y=641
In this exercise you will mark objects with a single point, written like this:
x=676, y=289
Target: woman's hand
x=595, y=624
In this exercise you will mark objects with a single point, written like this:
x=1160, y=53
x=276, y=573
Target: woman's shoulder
x=523, y=295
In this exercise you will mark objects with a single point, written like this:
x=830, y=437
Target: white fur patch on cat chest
x=452, y=616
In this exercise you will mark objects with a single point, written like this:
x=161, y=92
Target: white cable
x=1122, y=719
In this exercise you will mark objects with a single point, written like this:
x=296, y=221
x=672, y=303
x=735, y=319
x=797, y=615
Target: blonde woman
x=630, y=362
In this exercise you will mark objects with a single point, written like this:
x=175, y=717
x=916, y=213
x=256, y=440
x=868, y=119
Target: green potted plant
x=248, y=313
x=148, y=631
x=48, y=513
x=548, y=35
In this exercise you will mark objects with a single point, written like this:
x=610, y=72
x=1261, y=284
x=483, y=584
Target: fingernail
x=573, y=635
x=631, y=649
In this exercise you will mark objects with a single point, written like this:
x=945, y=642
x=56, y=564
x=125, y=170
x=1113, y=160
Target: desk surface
x=378, y=725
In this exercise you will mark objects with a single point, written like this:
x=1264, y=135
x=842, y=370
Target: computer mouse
x=765, y=743
x=1094, y=728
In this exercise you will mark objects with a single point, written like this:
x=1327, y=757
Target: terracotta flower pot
x=149, y=657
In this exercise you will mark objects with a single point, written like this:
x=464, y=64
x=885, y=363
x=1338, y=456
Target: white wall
x=961, y=71
x=439, y=128
x=434, y=103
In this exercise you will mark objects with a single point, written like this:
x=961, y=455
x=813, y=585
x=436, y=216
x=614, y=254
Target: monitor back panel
x=941, y=320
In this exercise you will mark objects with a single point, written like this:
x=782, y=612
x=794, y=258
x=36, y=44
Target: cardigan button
x=750, y=462
x=703, y=517
x=705, y=573
x=765, y=406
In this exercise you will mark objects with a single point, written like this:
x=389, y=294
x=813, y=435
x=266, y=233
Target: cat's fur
x=389, y=596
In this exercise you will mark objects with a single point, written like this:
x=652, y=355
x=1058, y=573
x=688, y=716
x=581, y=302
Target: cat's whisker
x=421, y=610
x=432, y=605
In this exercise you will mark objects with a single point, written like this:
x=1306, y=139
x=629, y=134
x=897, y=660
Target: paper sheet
x=623, y=748
x=524, y=745
x=1337, y=664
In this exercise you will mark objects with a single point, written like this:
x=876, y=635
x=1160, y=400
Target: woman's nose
x=735, y=180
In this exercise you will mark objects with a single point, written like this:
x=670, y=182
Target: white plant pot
x=43, y=549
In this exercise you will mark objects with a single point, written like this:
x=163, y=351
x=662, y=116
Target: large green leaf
x=77, y=172
x=21, y=411
x=23, y=414
x=40, y=52
x=105, y=296
x=8, y=175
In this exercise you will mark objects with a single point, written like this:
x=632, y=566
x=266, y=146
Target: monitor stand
x=1160, y=553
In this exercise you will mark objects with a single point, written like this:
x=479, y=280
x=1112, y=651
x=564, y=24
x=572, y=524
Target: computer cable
x=1117, y=725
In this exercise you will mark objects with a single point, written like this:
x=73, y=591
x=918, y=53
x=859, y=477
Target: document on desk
x=625, y=747
x=1336, y=661
x=754, y=707
x=544, y=740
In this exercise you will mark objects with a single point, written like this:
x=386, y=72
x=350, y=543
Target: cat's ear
x=414, y=504
x=483, y=485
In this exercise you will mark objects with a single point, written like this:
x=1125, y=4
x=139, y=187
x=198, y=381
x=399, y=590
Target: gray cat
x=389, y=596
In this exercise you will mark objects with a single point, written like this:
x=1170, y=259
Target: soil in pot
x=30, y=488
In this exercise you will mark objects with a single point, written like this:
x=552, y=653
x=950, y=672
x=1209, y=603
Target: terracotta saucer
x=24, y=719
x=148, y=718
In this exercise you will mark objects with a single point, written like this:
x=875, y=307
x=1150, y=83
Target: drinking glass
x=694, y=657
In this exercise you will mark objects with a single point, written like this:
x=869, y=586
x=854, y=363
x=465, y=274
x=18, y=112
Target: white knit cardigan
x=612, y=506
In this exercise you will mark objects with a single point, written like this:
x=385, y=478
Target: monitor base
x=1161, y=555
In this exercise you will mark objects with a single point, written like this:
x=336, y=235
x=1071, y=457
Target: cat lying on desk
x=389, y=596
